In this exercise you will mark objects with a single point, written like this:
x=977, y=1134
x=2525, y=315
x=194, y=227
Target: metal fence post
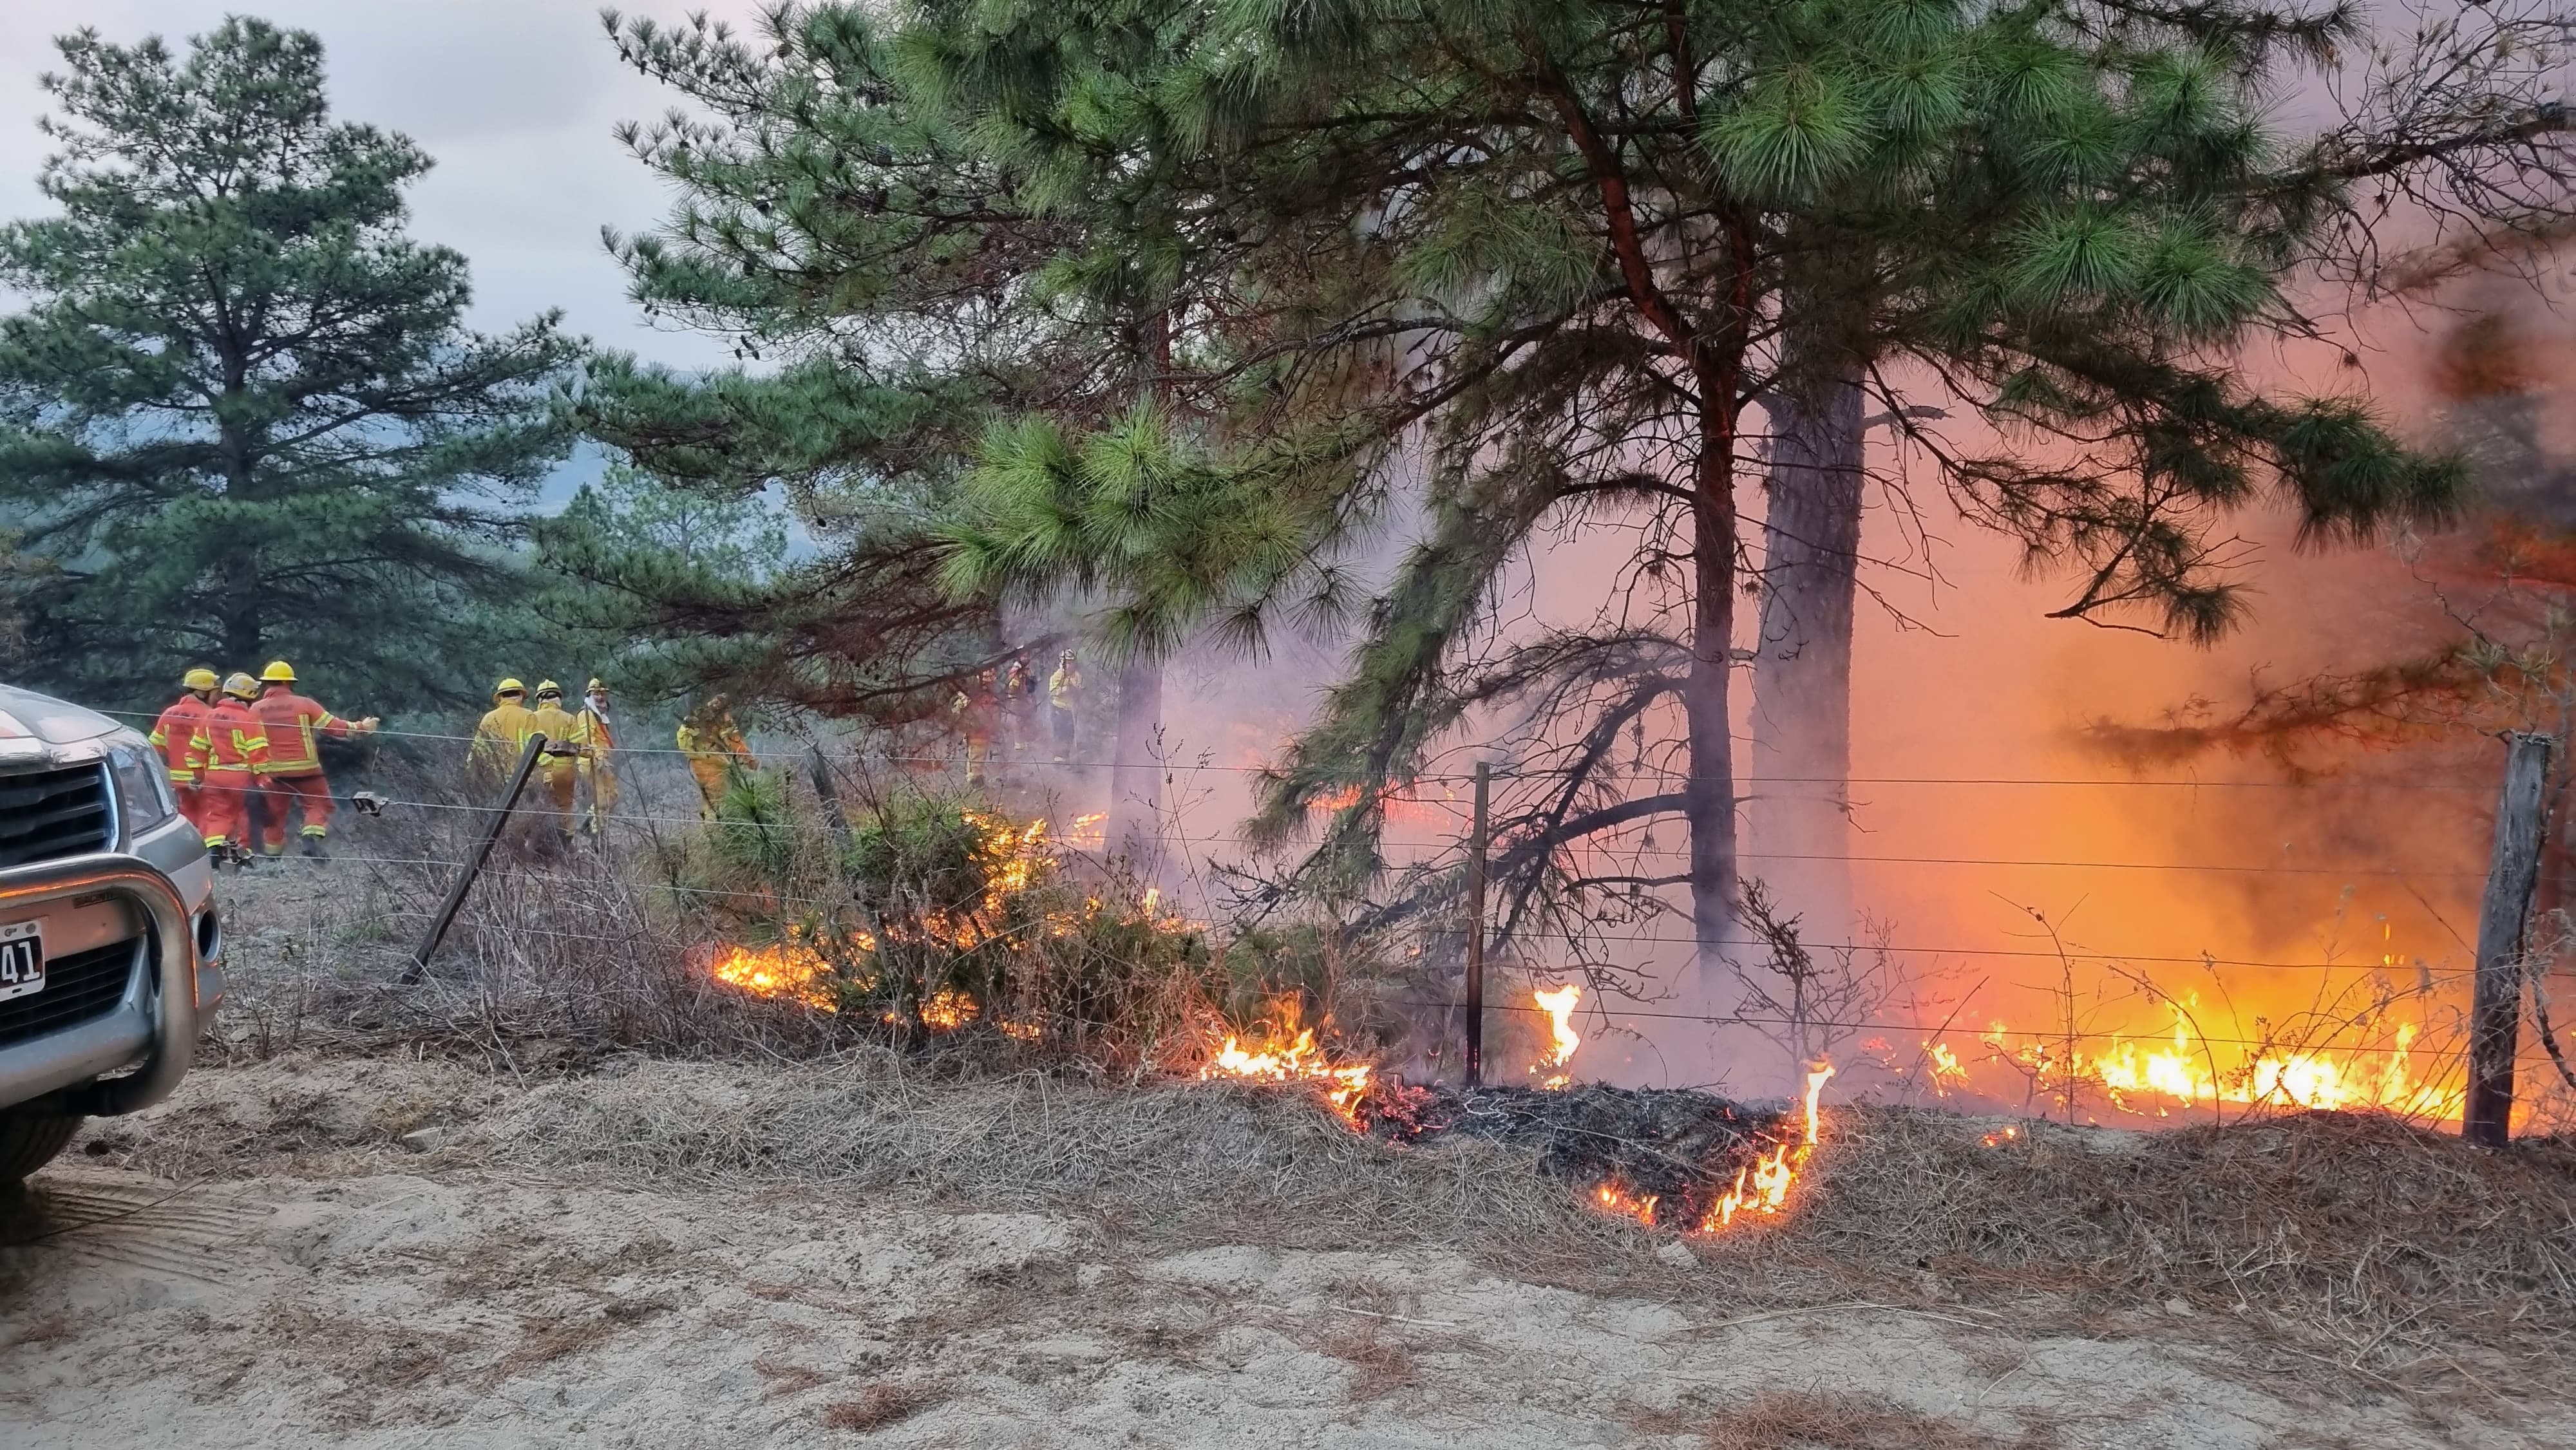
x=473, y=866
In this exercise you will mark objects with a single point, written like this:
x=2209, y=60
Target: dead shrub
x=880, y=1406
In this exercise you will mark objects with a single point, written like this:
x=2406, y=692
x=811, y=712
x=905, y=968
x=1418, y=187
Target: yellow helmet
x=549, y=687
x=241, y=685
x=199, y=678
x=279, y=672
x=508, y=687
x=596, y=683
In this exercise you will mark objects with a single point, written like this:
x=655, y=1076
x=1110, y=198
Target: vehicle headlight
x=142, y=786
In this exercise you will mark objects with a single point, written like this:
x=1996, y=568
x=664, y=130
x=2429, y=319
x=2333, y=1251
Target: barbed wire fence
x=2086, y=1058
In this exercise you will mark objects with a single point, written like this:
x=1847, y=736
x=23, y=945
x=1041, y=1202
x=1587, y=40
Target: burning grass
x=2358, y=1239
x=1677, y=1160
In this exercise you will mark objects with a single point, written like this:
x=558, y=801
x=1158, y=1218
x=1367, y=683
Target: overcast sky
x=515, y=99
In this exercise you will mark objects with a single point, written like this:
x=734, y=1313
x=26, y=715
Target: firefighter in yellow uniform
x=715, y=748
x=500, y=736
x=1064, y=698
x=591, y=732
x=559, y=772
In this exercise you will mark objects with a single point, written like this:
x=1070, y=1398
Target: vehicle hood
x=33, y=724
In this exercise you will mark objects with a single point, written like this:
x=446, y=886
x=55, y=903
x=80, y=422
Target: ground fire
x=1714, y=1165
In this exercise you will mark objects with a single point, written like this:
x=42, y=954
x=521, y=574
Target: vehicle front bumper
x=156, y=1022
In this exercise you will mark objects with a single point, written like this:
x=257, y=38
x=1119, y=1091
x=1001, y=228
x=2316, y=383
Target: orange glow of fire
x=946, y=1010
x=1014, y=858
x=791, y=968
x=2183, y=1071
x=1761, y=1188
x=1559, y=1006
x=1398, y=806
x=1086, y=832
x=1614, y=1198
x=1281, y=1058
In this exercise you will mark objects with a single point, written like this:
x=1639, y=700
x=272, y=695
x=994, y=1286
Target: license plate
x=22, y=959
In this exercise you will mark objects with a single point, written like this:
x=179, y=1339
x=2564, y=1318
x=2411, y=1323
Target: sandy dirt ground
x=387, y=1284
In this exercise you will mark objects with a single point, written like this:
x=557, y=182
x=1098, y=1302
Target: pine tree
x=872, y=266
x=1541, y=253
x=2457, y=129
x=240, y=413
x=940, y=293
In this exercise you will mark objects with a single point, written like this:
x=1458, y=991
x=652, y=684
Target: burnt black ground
x=1683, y=1148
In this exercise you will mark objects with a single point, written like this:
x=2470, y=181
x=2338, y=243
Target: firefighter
x=714, y=747
x=180, y=736
x=559, y=773
x=294, y=780
x=973, y=710
x=1019, y=705
x=592, y=733
x=236, y=759
x=1064, y=697
x=499, y=736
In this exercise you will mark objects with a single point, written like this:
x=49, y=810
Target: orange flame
x=2186, y=1071
x=1559, y=1006
x=790, y=968
x=1615, y=1198
x=1282, y=1059
x=1014, y=858
x=1762, y=1186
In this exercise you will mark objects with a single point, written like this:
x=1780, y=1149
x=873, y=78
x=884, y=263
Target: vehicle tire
x=30, y=1140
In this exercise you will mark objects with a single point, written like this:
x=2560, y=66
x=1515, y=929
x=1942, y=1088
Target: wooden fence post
x=2504, y=929
x=1478, y=846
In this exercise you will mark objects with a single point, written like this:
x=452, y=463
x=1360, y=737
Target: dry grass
x=42, y=1333
x=2386, y=1241
x=1829, y=1420
x=880, y=1406
x=2358, y=1242
x=781, y=1377
x=542, y=1341
x=1175, y=1163
x=1380, y=1363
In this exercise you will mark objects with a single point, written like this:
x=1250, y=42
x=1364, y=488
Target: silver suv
x=109, y=942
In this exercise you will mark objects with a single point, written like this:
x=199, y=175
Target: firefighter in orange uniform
x=294, y=776
x=237, y=756
x=180, y=736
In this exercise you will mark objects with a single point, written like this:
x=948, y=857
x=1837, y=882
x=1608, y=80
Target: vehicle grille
x=79, y=988
x=54, y=813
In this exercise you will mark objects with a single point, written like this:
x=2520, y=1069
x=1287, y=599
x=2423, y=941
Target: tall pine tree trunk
x=1710, y=793
x=1800, y=803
